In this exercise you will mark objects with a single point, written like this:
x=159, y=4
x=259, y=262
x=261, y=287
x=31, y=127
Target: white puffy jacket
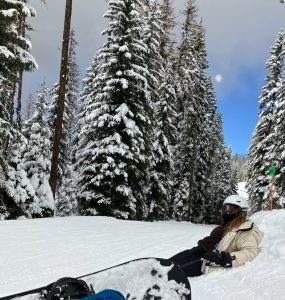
x=243, y=243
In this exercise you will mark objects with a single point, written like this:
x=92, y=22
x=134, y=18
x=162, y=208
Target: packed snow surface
x=36, y=252
x=242, y=190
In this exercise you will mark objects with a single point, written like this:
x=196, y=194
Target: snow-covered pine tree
x=261, y=154
x=114, y=141
x=36, y=158
x=15, y=57
x=17, y=184
x=192, y=107
x=278, y=147
x=222, y=178
x=168, y=23
x=66, y=201
x=202, y=182
x=234, y=179
x=168, y=76
x=215, y=189
x=226, y=187
x=240, y=162
x=8, y=136
x=161, y=161
x=14, y=49
x=29, y=107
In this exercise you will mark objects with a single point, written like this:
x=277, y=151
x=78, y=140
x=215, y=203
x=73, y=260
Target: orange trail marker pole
x=271, y=192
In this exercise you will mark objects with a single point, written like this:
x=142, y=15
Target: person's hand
x=223, y=259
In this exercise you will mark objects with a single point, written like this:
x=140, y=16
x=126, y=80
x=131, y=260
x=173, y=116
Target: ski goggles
x=231, y=209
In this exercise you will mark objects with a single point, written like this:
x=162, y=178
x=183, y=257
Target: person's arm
x=209, y=242
x=249, y=249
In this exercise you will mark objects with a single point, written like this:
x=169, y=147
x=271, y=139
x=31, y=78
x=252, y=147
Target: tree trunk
x=191, y=183
x=22, y=33
x=10, y=107
x=61, y=97
x=19, y=106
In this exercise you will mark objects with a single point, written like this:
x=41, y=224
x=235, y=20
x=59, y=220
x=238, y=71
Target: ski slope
x=36, y=252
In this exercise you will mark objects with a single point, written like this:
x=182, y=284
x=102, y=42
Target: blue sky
x=239, y=108
x=239, y=34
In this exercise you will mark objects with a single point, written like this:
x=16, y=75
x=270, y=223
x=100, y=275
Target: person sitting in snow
x=231, y=244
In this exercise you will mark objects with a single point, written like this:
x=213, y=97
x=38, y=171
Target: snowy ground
x=36, y=252
x=242, y=190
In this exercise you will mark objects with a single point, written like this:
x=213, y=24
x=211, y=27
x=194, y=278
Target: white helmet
x=237, y=200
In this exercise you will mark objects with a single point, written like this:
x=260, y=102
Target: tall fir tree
x=17, y=184
x=160, y=167
x=192, y=109
x=168, y=23
x=15, y=58
x=261, y=154
x=278, y=148
x=234, y=179
x=220, y=174
x=36, y=158
x=202, y=182
x=14, y=49
x=114, y=141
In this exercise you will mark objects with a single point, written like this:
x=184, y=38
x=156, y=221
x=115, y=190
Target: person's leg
x=186, y=256
x=193, y=269
x=190, y=258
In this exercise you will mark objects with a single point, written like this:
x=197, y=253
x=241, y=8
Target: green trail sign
x=272, y=171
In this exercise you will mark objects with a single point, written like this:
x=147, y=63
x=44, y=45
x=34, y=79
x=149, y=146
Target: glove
x=223, y=259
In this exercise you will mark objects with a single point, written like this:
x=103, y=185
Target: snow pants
x=190, y=256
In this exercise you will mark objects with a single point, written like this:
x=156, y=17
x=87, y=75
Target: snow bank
x=36, y=252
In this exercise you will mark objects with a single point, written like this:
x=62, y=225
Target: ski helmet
x=238, y=201
x=234, y=206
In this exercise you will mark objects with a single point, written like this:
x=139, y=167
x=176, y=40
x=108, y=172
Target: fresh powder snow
x=36, y=252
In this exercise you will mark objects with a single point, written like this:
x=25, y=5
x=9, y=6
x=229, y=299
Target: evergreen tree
x=114, y=141
x=36, y=159
x=202, y=183
x=162, y=163
x=277, y=148
x=234, y=180
x=17, y=184
x=14, y=49
x=219, y=174
x=29, y=107
x=168, y=23
x=15, y=58
x=66, y=201
x=185, y=149
x=261, y=155
x=240, y=161
x=192, y=108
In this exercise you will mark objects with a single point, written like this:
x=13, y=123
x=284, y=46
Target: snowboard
x=140, y=279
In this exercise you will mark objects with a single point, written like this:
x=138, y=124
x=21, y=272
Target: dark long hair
x=235, y=223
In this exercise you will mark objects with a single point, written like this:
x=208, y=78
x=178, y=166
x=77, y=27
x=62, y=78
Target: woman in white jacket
x=241, y=240
x=231, y=244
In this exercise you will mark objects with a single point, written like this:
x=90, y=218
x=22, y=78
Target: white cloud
x=219, y=78
x=239, y=34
